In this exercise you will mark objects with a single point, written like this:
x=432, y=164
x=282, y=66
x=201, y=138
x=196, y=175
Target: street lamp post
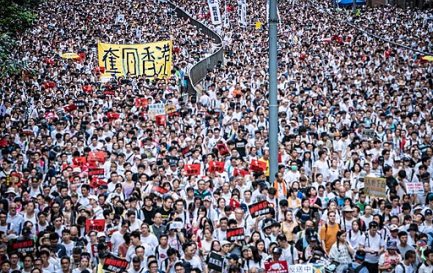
x=273, y=92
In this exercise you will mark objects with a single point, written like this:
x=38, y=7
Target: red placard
x=99, y=156
x=70, y=108
x=216, y=166
x=113, y=115
x=96, y=182
x=160, y=191
x=141, y=102
x=96, y=225
x=240, y=172
x=257, y=166
x=161, y=120
x=192, y=169
x=222, y=149
x=88, y=88
x=79, y=161
x=276, y=267
x=96, y=171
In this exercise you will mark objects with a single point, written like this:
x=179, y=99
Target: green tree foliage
x=15, y=17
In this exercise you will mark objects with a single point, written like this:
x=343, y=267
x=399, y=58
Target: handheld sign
x=192, y=169
x=115, y=264
x=216, y=166
x=375, y=186
x=414, y=188
x=97, y=225
x=259, y=208
x=235, y=234
x=277, y=267
x=215, y=262
x=23, y=246
x=160, y=191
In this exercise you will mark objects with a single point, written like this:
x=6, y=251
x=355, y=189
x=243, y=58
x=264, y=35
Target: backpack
x=350, y=268
x=402, y=266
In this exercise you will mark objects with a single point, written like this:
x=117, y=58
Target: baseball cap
x=393, y=228
x=277, y=250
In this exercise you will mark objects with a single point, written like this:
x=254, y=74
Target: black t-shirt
x=148, y=215
x=165, y=214
x=240, y=145
x=304, y=216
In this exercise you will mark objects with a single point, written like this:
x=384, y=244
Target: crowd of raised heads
x=91, y=182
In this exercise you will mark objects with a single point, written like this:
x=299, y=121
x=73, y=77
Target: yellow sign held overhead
x=70, y=55
x=152, y=60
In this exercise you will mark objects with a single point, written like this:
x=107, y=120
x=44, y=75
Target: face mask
x=294, y=168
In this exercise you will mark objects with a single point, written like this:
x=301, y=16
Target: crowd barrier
x=199, y=70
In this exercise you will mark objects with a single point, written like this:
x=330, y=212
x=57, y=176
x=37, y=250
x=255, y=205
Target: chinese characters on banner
x=215, y=13
x=152, y=60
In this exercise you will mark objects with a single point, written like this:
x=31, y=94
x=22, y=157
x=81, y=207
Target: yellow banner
x=152, y=60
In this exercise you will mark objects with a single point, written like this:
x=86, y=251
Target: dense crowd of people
x=83, y=191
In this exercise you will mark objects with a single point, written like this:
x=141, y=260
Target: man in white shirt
x=373, y=244
x=407, y=266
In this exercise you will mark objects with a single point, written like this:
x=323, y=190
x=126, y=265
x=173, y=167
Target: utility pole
x=273, y=92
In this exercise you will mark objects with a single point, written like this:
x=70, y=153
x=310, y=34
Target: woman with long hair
x=293, y=200
x=288, y=225
x=354, y=235
x=261, y=248
x=255, y=236
x=341, y=252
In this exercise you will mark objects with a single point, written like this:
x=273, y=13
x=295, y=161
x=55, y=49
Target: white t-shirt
x=407, y=269
x=371, y=243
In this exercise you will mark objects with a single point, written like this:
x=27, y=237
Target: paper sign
x=259, y=208
x=257, y=166
x=96, y=225
x=115, y=264
x=170, y=108
x=22, y=246
x=414, y=188
x=303, y=268
x=235, y=234
x=222, y=149
x=192, y=169
x=375, y=186
x=216, y=166
x=278, y=267
x=141, y=102
x=215, y=262
x=156, y=109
